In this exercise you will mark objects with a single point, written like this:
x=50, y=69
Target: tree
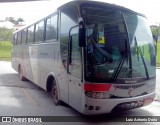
x=19, y=20
x=11, y=19
x=16, y=22
x=5, y=34
x=155, y=30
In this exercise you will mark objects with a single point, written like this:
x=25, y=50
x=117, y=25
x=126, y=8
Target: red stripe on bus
x=96, y=87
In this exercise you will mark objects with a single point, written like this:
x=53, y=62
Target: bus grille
x=117, y=97
x=128, y=105
x=126, y=87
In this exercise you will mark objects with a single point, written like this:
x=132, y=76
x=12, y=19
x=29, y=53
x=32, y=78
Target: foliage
x=155, y=30
x=158, y=54
x=5, y=44
x=14, y=21
x=19, y=20
x=5, y=50
x=5, y=34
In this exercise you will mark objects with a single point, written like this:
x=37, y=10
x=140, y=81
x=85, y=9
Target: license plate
x=147, y=101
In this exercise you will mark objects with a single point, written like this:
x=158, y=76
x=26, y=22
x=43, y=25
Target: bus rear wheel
x=20, y=74
x=55, y=94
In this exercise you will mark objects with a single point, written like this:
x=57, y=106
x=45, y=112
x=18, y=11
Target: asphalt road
x=19, y=98
x=158, y=85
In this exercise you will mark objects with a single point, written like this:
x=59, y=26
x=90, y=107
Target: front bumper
x=92, y=106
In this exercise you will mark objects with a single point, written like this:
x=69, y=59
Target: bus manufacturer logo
x=131, y=92
x=131, y=81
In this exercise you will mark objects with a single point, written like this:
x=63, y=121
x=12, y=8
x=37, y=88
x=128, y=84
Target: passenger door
x=67, y=77
x=75, y=70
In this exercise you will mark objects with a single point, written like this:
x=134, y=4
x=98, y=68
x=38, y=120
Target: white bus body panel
x=38, y=61
x=63, y=82
x=40, y=57
x=49, y=62
x=75, y=92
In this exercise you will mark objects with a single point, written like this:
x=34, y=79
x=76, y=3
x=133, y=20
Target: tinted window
x=39, y=29
x=36, y=32
x=51, y=27
x=75, y=55
x=24, y=34
x=142, y=47
x=19, y=38
x=15, y=39
x=30, y=34
x=68, y=20
x=106, y=44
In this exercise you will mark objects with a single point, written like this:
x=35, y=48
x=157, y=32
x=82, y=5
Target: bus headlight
x=98, y=95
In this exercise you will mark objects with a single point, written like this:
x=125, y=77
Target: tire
x=55, y=94
x=20, y=74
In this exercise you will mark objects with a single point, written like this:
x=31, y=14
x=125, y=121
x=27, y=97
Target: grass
x=5, y=50
x=158, y=54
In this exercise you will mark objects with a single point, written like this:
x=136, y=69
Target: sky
x=31, y=11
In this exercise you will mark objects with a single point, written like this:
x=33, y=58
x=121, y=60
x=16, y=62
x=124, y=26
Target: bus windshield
x=141, y=46
x=119, y=45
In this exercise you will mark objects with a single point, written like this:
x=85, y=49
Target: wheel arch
x=50, y=78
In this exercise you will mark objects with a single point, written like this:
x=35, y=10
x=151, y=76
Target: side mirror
x=82, y=42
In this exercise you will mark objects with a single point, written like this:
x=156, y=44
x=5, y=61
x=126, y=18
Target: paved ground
x=158, y=85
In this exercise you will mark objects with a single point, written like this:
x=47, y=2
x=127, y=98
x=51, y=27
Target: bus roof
x=98, y=3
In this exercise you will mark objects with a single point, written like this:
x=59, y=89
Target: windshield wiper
x=141, y=55
x=119, y=67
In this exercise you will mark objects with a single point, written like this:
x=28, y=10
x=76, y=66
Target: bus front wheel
x=55, y=94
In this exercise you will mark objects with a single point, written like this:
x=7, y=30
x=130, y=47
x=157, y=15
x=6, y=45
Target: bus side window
x=15, y=39
x=36, y=32
x=39, y=30
x=68, y=19
x=24, y=34
x=30, y=36
x=19, y=38
x=75, y=57
x=51, y=27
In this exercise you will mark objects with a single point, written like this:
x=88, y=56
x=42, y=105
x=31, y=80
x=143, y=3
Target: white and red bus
x=96, y=57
